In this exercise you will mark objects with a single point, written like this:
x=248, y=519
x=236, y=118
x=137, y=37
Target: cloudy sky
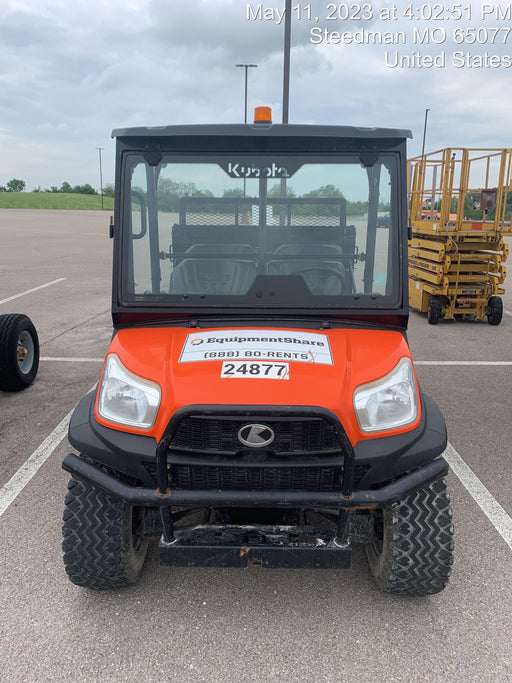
x=72, y=70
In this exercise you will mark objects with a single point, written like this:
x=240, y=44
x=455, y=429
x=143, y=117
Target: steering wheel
x=324, y=280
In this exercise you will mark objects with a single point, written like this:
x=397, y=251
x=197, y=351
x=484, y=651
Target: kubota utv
x=258, y=404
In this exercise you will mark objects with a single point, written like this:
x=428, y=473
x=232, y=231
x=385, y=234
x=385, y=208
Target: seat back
x=232, y=271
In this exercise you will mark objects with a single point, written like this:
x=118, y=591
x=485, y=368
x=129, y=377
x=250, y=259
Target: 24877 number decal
x=233, y=369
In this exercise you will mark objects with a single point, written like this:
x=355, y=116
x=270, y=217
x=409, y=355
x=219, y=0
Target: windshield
x=260, y=231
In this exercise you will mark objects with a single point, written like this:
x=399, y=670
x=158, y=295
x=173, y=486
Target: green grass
x=54, y=200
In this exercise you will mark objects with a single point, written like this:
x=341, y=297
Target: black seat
x=232, y=271
x=322, y=275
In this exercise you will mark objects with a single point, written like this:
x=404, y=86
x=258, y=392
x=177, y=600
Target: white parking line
x=34, y=289
x=507, y=312
x=61, y=359
x=462, y=362
x=485, y=501
x=18, y=481
x=21, y=478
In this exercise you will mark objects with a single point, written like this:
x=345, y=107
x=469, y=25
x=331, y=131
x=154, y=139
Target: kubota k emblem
x=256, y=436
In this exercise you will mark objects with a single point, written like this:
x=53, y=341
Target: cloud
x=70, y=72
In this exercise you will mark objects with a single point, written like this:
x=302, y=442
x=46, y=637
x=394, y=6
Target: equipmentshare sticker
x=274, y=345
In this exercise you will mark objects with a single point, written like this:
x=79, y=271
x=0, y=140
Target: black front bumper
x=361, y=499
x=394, y=466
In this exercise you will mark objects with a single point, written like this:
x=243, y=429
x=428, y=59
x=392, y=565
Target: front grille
x=220, y=435
x=325, y=478
x=305, y=455
x=256, y=478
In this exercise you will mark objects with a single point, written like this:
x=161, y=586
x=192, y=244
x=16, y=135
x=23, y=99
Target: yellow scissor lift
x=460, y=209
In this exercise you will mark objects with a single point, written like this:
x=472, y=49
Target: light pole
x=286, y=61
x=424, y=133
x=423, y=167
x=101, y=177
x=286, y=87
x=246, y=67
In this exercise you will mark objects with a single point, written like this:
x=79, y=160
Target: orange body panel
x=359, y=356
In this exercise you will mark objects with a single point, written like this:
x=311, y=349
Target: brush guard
x=266, y=545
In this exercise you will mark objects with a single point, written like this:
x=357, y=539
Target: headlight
x=125, y=398
x=389, y=402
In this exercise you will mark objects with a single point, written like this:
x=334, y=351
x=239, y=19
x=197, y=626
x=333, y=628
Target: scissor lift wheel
x=435, y=312
x=495, y=310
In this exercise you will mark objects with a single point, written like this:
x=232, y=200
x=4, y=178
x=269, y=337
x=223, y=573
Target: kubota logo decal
x=256, y=435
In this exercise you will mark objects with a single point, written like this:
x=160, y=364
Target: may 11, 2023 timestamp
x=356, y=12
x=429, y=28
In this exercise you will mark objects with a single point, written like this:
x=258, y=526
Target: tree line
x=170, y=192
x=16, y=185
x=13, y=185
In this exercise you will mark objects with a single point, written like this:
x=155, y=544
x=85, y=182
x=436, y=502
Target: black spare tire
x=19, y=352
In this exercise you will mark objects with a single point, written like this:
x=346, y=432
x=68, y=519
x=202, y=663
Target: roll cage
x=257, y=251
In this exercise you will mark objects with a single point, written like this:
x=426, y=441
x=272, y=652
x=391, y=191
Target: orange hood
x=298, y=368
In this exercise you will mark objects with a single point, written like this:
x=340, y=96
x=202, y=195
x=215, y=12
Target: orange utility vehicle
x=258, y=404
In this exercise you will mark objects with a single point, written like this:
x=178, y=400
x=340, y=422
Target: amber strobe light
x=262, y=115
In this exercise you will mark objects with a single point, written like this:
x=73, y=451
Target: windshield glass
x=260, y=231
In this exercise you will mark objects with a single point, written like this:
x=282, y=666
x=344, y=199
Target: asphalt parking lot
x=236, y=625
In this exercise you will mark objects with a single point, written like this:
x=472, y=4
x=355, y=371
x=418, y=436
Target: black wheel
x=495, y=310
x=413, y=553
x=434, y=312
x=19, y=352
x=102, y=541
